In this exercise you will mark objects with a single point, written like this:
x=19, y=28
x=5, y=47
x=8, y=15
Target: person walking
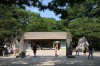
x=14, y=50
x=3, y=53
x=5, y=50
x=34, y=48
x=56, y=51
x=90, y=51
x=9, y=51
x=56, y=48
x=77, y=50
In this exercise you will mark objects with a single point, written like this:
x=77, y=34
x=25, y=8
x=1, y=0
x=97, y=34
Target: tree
x=42, y=24
x=59, y=7
x=8, y=24
x=73, y=11
x=13, y=20
x=87, y=27
x=81, y=16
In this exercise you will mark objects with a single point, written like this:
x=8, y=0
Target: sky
x=46, y=13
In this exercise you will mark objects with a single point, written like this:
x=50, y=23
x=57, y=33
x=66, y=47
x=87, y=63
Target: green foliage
x=13, y=21
x=43, y=24
x=84, y=20
x=58, y=6
x=76, y=12
x=87, y=27
x=80, y=17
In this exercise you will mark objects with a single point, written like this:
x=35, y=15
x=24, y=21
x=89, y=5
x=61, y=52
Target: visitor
x=34, y=48
x=85, y=50
x=77, y=50
x=3, y=53
x=5, y=50
x=14, y=50
x=56, y=48
x=9, y=51
x=90, y=51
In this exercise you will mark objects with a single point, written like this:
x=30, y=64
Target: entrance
x=44, y=44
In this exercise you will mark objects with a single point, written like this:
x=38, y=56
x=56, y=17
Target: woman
x=77, y=50
x=56, y=48
x=14, y=50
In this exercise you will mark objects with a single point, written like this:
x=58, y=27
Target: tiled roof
x=45, y=35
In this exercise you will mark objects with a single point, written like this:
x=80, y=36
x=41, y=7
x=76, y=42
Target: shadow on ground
x=50, y=61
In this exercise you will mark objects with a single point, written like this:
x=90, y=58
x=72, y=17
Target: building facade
x=45, y=40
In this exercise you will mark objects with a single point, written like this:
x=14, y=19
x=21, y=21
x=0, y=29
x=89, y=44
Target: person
x=90, y=51
x=3, y=53
x=77, y=50
x=9, y=51
x=84, y=50
x=34, y=48
x=5, y=50
x=14, y=50
x=56, y=51
x=56, y=48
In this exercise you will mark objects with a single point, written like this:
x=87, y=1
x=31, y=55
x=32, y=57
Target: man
x=90, y=51
x=34, y=48
x=5, y=50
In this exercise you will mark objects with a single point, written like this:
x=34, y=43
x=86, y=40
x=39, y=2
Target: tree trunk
x=68, y=45
x=21, y=45
x=68, y=50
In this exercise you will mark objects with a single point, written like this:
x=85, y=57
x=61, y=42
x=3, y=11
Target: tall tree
x=87, y=27
x=8, y=24
x=42, y=24
x=58, y=6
